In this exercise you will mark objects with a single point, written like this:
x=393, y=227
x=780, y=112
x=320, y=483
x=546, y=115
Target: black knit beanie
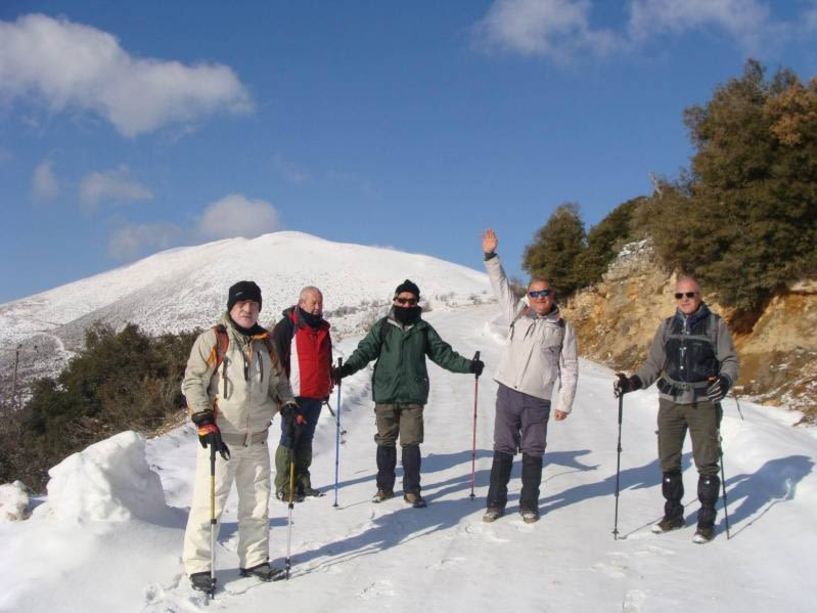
x=243, y=290
x=407, y=286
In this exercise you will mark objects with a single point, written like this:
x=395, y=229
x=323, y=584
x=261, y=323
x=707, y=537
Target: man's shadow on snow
x=405, y=524
x=640, y=477
x=750, y=497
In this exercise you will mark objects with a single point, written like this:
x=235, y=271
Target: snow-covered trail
x=366, y=557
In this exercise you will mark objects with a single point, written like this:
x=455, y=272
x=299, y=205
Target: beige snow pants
x=249, y=467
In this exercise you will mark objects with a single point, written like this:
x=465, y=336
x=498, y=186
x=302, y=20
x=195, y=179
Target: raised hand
x=489, y=241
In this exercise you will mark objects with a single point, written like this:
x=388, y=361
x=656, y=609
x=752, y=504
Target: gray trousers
x=521, y=422
x=702, y=419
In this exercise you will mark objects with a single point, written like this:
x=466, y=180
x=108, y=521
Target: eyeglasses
x=406, y=301
x=540, y=293
x=679, y=295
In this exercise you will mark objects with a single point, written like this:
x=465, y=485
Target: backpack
x=223, y=343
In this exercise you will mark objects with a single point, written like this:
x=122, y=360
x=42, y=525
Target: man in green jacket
x=400, y=342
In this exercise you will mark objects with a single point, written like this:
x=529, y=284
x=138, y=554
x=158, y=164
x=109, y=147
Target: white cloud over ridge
x=132, y=240
x=73, y=66
x=556, y=28
x=111, y=185
x=562, y=29
x=44, y=183
x=236, y=215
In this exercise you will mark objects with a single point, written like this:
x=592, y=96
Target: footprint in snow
x=633, y=601
x=613, y=569
x=376, y=589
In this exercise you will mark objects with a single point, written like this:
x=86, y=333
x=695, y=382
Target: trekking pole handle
x=476, y=357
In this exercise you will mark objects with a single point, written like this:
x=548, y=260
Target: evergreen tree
x=553, y=255
x=745, y=218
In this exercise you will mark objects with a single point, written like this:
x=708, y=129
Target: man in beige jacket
x=234, y=386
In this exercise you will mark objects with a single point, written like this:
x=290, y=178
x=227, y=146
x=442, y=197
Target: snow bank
x=108, y=481
x=13, y=501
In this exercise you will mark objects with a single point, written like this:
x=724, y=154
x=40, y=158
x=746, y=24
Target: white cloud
x=236, y=215
x=133, y=240
x=112, y=185
x=562, y=29
x=744, y=20
x=74, y=66
x=554, y=28
x=44, y=184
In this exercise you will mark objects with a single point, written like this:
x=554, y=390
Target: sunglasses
x=406, y=301
x=679, y=295
x=540, y=293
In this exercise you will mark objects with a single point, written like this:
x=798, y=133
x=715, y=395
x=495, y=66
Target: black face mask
x=313, y=321
x=407, y=315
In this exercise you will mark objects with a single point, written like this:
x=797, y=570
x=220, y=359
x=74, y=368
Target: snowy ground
x=366, y=557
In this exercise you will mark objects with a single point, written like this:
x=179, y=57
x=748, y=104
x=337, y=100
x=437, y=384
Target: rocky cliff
x=617, y=318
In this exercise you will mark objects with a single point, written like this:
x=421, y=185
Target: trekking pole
x=295, y=435
x=212, y=592
x=723, y=474
x=737, y=403
x=337, y=440
x=332, y=413
x=618, y=463
x=474, y=437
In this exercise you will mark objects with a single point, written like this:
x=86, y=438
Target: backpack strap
x=222, y=344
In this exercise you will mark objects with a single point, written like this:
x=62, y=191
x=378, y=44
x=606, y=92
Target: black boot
x=672, y=486
x=203, y=582
x=386, y=464
x=498, y=488
x=411, y=476
x=708, y=491
x=264, y=572
x=531, y=478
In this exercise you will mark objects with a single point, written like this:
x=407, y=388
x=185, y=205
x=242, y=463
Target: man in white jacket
x=234, y=385
x=541, y=348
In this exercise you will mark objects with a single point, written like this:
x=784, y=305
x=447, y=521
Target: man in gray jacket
x=234, y=385
x=541, y=348
x=693, y=360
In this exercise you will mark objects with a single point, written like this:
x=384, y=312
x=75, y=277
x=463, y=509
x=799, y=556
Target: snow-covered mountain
x=184, y=288
x=109, y=535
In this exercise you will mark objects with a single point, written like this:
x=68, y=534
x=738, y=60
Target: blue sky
x=127, y=128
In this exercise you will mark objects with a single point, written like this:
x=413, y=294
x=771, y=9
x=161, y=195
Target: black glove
x=338, y=372
x=209, y=433
x=293, y=420
x=625, y=384
x=288, y=412
x=477, y=366
x=717, y=391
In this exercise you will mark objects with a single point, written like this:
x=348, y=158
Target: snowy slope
x=366, y=557
x=184, y=288
x=180, y=288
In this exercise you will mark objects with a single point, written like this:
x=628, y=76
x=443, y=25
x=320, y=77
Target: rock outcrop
x=617, y=318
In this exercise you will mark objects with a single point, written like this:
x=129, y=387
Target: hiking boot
x=264, y=572
x=529, y=516
x=667, y=524
x=309, y=492
x=283, y=496
x=202, y=582
x=382, y=495
x=415, y=500
x=492, y=514
x=704, y=534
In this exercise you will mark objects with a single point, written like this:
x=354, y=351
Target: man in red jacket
x=304, y=347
